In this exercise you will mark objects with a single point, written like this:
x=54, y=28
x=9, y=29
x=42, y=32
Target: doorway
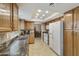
x=37, y=30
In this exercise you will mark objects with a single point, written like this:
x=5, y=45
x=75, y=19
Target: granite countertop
x=17, y=46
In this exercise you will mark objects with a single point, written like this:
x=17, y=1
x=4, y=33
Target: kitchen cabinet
x=71, y=33
x=5, y=17
x=8, y=17
x=68, y=33
x=68, y=20
x=68, y=43
x=76, y=31
x=29, y=26
x=15, y=17
x=31, y=38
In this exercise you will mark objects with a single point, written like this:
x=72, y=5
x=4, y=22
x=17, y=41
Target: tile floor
x=39, y=48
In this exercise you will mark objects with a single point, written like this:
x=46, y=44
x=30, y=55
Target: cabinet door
x=29, y=25
x=31, y=38
x=76, y=17
x=77, y=43
x=5, y=17
x=76, y=31
x=15, y=17
x=68, y=20
x=68, y=43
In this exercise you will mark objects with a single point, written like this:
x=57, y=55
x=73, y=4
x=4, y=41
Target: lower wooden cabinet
x=31, y=38
x=29, y=26
x=76, y=43
x=68, y=43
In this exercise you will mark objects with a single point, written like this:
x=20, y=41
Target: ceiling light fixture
x=46, y=12
x=39, y=10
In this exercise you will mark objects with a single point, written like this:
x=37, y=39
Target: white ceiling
x=28, y=11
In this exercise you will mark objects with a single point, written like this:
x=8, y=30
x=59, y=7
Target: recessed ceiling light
x=43, y=15
x=39, y=10
x=37, y=14
x=46, y=12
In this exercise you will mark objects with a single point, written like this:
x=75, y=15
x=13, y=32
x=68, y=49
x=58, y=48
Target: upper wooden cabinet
x=5, y=17
x=8, y=17
x=68, y=20
x=76, y=18
x=29, y=25
x=15, y=16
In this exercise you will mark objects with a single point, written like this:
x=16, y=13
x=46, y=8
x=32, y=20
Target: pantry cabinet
x=76, y=31
x=68, y=33
x=8, y=17
x=71, y=33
